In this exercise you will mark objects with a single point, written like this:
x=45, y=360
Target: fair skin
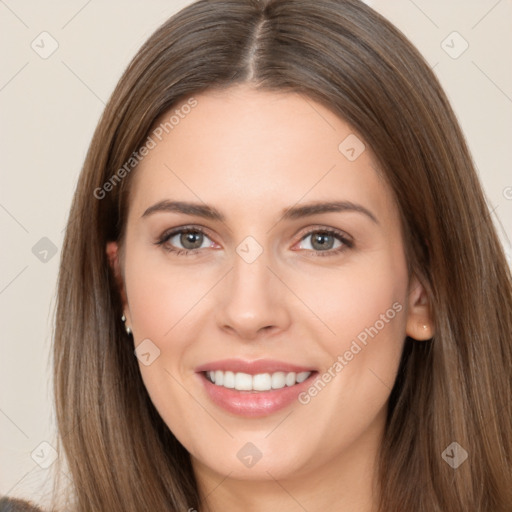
x=251, y=155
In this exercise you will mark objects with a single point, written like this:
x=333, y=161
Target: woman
x=280, y=285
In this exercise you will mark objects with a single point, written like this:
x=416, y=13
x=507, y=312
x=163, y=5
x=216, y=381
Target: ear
x=420, y=325
x=113, y=260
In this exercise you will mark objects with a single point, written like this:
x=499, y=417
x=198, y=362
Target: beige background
x=49, y=109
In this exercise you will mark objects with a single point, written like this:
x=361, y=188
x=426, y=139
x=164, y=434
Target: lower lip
x=254, y=404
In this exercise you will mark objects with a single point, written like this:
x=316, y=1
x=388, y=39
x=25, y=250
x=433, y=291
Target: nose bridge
x=253, y=296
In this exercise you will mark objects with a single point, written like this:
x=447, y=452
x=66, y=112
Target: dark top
x=17, y=505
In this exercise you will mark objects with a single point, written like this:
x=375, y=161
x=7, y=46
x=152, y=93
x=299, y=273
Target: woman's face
x=272, y=290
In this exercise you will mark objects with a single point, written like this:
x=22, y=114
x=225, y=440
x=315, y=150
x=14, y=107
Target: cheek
x=364, y=354
x=161, y=295
x=350, y=301
x=161, y=299
x=363, y=319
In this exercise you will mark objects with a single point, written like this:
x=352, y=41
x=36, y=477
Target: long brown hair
x=455, y=388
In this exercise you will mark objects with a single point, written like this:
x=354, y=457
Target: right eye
x=190, y=238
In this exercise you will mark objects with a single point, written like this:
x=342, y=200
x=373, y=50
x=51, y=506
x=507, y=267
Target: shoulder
x=17, y=505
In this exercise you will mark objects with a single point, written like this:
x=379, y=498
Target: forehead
x=257, y=152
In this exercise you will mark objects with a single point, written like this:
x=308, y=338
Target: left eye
x=323, y=241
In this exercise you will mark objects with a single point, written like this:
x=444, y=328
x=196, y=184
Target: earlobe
x=420, y=325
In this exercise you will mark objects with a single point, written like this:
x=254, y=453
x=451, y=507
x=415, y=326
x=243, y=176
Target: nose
x=253, y=302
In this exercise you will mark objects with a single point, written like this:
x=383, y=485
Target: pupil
x=189, y=237
x=322, y=238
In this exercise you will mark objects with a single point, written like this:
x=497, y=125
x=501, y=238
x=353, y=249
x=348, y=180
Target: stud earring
x=426, y=329
x=127, y=329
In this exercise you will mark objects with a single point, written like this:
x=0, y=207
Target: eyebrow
x=294, y=212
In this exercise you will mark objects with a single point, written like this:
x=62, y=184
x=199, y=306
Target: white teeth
x=278, y=380
x=229, y=380
x=259, y=382
x=290, y=379
x=301, y=377
x=243, y=381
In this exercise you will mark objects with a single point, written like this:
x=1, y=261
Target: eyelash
x=166, y=236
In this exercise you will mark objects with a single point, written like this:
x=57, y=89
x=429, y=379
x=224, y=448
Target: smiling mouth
x=241, y=381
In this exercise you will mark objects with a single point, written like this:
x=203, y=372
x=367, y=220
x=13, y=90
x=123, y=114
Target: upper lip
x=252, y=367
